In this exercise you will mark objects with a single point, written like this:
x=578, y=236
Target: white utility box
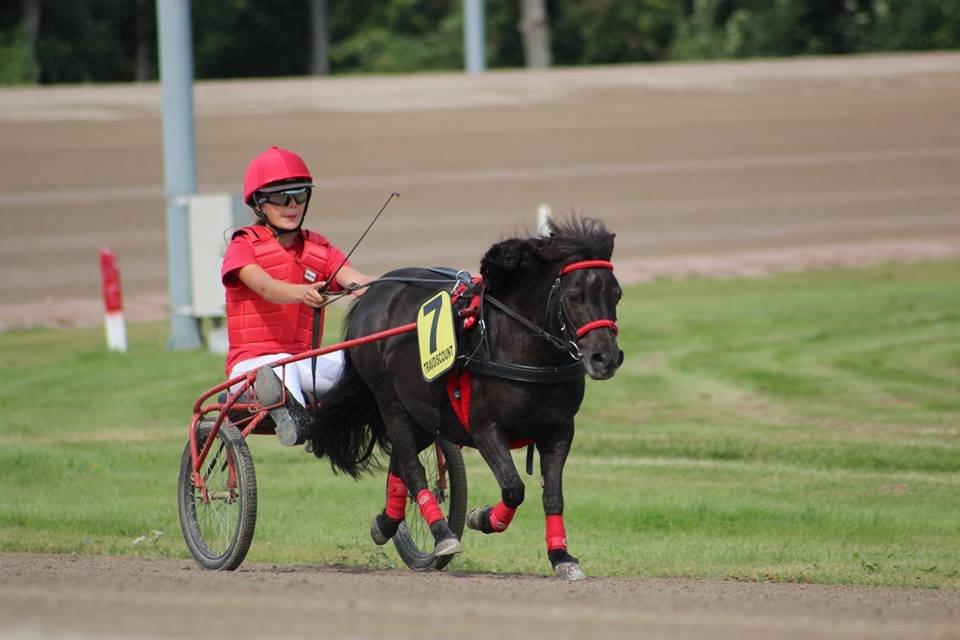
x=212, y=219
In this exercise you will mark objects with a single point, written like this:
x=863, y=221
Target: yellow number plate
x=438, y=344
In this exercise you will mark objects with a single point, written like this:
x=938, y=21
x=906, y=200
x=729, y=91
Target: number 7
x=433, y=307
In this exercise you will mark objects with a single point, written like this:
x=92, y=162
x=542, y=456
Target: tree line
x=76, y=41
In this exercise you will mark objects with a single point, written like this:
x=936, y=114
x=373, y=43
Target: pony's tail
x=348, y=426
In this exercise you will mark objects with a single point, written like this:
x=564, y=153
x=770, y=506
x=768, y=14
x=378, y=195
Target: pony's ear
x=506, y=258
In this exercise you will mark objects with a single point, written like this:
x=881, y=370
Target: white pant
x=298, y=375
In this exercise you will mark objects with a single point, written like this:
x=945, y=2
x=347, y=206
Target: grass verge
x=795, y=428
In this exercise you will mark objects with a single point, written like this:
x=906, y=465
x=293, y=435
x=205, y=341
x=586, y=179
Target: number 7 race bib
x=438, y=343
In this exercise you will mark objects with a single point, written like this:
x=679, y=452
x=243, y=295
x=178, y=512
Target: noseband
x=562, y=314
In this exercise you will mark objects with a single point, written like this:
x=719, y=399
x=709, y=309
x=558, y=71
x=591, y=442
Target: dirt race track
x=101, y=597
x=719, y=169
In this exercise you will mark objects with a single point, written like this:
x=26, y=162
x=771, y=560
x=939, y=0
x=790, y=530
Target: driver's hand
x=312, y=296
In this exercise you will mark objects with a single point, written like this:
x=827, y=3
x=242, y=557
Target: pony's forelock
x=578, y=237
x=571, y=238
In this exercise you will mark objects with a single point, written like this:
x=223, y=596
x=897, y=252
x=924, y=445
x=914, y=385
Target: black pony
x=546, y=317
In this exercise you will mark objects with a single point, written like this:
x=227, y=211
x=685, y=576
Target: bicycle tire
x=218, y=532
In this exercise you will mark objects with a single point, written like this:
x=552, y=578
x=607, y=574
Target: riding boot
x=293, y=423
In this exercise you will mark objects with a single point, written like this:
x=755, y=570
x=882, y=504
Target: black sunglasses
x=282, y=198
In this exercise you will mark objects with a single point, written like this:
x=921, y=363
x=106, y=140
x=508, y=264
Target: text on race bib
x=435, y=334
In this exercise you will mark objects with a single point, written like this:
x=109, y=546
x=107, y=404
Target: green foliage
x=92, y=41
x=608, y=31
x=98, y=40
x=16, y=63
x=379, y=50
x=395, y=36
x=796, y=428
x=242, y=38
x=912, y=25
x=752, y=28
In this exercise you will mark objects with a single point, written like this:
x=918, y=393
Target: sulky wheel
x=219, y=528
x=447, y=479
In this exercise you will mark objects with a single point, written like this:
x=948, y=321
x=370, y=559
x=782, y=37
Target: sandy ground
x=717, y=169
x=99, y=597
x=714, y=169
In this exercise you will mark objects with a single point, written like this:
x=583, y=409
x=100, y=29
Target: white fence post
x=543, y=218
x=114, y=322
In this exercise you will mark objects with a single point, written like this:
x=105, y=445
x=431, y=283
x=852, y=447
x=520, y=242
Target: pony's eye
x=574, y=297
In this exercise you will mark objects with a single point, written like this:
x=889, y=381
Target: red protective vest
x=256, y=327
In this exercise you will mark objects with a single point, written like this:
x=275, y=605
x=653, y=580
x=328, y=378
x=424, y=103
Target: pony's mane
x=575, y=238
x=583, y=238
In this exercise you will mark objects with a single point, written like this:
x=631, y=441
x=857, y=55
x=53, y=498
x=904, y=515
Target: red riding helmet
x=275, y=165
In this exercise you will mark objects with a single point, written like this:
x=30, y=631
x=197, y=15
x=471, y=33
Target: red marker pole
x=113, y=301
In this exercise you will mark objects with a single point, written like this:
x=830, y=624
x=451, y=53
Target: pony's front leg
x=553, y=455
x=493, y=447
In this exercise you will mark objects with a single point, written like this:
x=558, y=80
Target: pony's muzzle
x=601, y=365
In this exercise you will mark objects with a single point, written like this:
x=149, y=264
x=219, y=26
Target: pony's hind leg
x=386, y=523
x=407, y=440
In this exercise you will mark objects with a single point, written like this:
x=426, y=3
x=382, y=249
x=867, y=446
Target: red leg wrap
x=396, y=497
x=556, y=534
x=429, y=507
x=500, y=516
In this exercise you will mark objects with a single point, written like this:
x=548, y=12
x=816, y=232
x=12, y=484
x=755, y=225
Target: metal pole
x=179, y=164
x=473, y=35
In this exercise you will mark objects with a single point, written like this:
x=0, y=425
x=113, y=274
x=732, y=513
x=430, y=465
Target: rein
x=517, y=372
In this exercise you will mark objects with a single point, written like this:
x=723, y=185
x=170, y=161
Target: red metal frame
x=255, y=409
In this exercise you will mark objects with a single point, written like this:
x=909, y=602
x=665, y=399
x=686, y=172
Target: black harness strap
x=526, y=373
x=487, y=367
x=559, y=343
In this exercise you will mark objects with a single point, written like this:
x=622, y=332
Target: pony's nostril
x=599, y=358
x=620, y=358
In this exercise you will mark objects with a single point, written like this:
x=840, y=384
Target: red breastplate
x=256, y=327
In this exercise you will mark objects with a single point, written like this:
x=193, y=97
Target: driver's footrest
x=242, y=417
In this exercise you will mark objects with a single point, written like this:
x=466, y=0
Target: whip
x=317, y=321
x=332, y=278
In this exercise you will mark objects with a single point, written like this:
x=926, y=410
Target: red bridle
x=595, y=324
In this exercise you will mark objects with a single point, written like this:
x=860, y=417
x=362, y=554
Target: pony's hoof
x=447, y=547
x=568, y=571
x=479, y=519
x=383, y=528
x=378, y=538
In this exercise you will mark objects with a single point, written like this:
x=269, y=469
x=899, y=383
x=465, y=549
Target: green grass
x=794, y=428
